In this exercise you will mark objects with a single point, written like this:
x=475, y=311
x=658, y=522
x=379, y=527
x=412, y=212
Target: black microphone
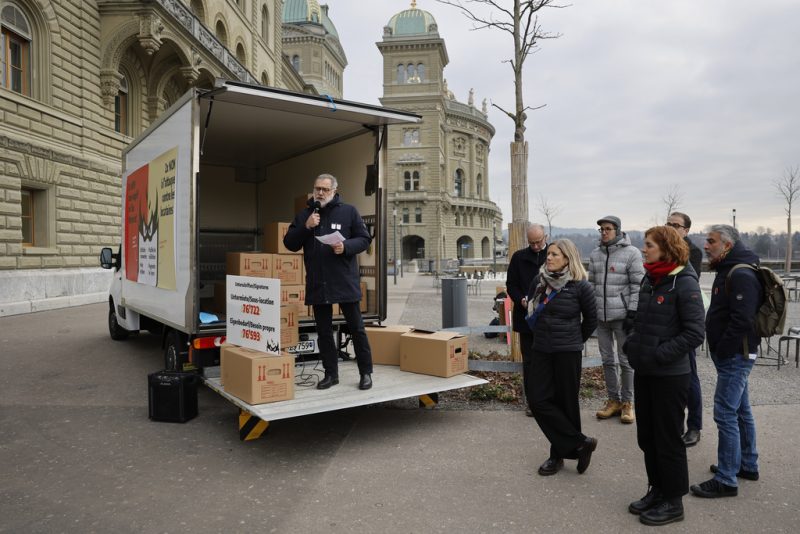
x=317, y=206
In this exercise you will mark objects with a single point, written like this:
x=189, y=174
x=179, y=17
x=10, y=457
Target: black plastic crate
x=172, y=396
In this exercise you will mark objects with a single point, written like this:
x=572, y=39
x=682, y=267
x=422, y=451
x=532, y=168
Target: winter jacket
x=330, y=278
x=731, y=314
x=522, y=268
x=668, y=324
x=616, y=273
x=695, y=256
x=567, y=320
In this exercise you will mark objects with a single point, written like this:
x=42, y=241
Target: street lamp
x=394, y=231
x=734, y=218
x=401, y=248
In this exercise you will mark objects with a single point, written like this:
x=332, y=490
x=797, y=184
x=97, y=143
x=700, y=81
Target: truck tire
x=114, y=329
x=175, y=351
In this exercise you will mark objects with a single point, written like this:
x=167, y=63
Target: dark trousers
x=323, y=316
x=554, y=383
x=694, y=419
x=659, y=403
x=526, y=346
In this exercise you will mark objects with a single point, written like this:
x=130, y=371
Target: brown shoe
x=627, y=416
x=612, y=408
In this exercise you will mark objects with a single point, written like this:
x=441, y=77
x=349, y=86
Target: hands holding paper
x=335, y=240
x=338, y=248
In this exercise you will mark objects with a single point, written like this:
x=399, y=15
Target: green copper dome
x=412, y=21
x=308, y=11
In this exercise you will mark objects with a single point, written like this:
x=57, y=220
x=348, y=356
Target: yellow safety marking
x=428, y=401
x=250, y=426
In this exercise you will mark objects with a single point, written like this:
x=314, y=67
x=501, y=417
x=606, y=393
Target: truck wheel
x=117, y=332
x=174, y=351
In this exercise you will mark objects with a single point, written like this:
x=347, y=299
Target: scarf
x=659, y=269
x=549, y=283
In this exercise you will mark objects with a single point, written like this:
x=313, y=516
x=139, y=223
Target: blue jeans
x=737, y=428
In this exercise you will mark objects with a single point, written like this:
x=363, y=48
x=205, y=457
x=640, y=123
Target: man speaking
x=332, y=273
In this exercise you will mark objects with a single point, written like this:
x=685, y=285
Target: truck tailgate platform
x=390, y=383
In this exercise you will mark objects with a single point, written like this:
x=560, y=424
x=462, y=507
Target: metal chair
x=793, y=334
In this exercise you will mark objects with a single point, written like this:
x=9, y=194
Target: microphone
x=317, y=206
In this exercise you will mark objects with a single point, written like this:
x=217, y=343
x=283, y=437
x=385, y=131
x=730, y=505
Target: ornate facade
x=438, y=174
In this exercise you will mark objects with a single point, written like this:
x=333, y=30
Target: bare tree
x=520, y=20
x=672, y=200
x=549, y=211
x=788, y=188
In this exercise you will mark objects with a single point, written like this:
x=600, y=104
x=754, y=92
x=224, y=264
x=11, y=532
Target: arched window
x=314, y=16
x=459, y=183
x=418, y=215
x=407, y=181
x=121, y=123
x=222, y=33
x=415, y=181
x=421, y=71
x=401, y=73
x=479, y=185
x=458, y=220
x=198, y=10
x=16, y=50
x=296, y=62
x=265, y=26
x=240, y=55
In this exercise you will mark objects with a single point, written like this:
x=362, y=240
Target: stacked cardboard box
x=273, y=238
x=295, y=294
x=290, y=325
x=288, y=268
x=433, y=353
x=257, y=377
x=249, y=264
x=384, y=342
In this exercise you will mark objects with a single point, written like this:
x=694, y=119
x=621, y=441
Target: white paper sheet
x=331, y=239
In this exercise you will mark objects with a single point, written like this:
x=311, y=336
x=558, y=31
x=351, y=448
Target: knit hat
x=611, y=219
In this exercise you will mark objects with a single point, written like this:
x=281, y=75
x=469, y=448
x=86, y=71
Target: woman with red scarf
x=669, y=323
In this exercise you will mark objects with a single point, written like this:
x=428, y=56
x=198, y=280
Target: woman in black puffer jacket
x=562, y=314
x=669, y=323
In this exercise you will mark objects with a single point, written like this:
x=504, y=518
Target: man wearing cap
x=616, y=271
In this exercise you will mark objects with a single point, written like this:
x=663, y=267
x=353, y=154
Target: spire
x=413, y=4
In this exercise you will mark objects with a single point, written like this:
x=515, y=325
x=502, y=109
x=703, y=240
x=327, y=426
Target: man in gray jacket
x=615, y=271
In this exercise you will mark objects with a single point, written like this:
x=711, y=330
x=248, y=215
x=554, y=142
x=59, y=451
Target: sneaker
x=691, y=438
x=627, y=416
x=663, y=514
x=711, y=489
x=748, y=475
x=612, y=408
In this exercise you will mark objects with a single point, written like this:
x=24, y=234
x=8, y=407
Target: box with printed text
x=257, y=377
x=434, y=353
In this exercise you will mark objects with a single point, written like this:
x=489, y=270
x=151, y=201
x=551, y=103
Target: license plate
x=304, y=347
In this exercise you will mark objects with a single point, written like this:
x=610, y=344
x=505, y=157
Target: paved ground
x=78, y=454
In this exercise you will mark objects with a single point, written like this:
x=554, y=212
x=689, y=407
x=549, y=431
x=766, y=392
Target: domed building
x=438, y=170
x=311, y=43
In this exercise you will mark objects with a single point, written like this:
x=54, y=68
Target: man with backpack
x=736, y=296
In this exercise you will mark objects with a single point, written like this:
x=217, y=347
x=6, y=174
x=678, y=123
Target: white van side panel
x=177, y=132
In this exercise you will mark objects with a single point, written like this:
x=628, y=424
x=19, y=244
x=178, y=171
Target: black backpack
x=771, y=315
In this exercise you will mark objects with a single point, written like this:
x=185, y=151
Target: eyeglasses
x=322, y=189
x=538, y=243
x=675, y=225
x=605, y=230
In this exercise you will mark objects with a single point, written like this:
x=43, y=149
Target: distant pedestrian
x=733, y=344
x=615, y=271
x=562, y=315
x=522, y=268
x=667, y=327
x=694, y=420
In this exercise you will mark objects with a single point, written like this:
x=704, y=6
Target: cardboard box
x=273, y=238
x=363, y=304
x=290, y=325
x=301, y=202
x=249, y=264
x=434, y=353
x=384, y=342
x=296, y=295
x=257, y=377
x=288, y=268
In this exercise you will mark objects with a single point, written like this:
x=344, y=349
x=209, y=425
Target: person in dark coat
x=522, y=268
x=733, y=343
x=667, y=326
x=562, y=315
x=694, y=419
x=332, y=275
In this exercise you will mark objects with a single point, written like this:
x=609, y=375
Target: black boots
x=365, y=382
x=584, y=453
x=328, y=381
x=551, y=466
x=665, y=512
x=652, y=499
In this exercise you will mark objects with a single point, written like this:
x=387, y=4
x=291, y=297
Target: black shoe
x=365, y=382
x=584, y=453
x=652, y=499
x=328, y=381
x=691, y=438
x=663, y=514
x=528, y=412
x=711, y=489
x=749, y=475
x=551, y=466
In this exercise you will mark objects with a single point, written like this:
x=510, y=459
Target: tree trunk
x=787, y=268
x=519, y=215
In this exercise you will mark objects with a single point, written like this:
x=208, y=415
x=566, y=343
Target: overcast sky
x=641, y=96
